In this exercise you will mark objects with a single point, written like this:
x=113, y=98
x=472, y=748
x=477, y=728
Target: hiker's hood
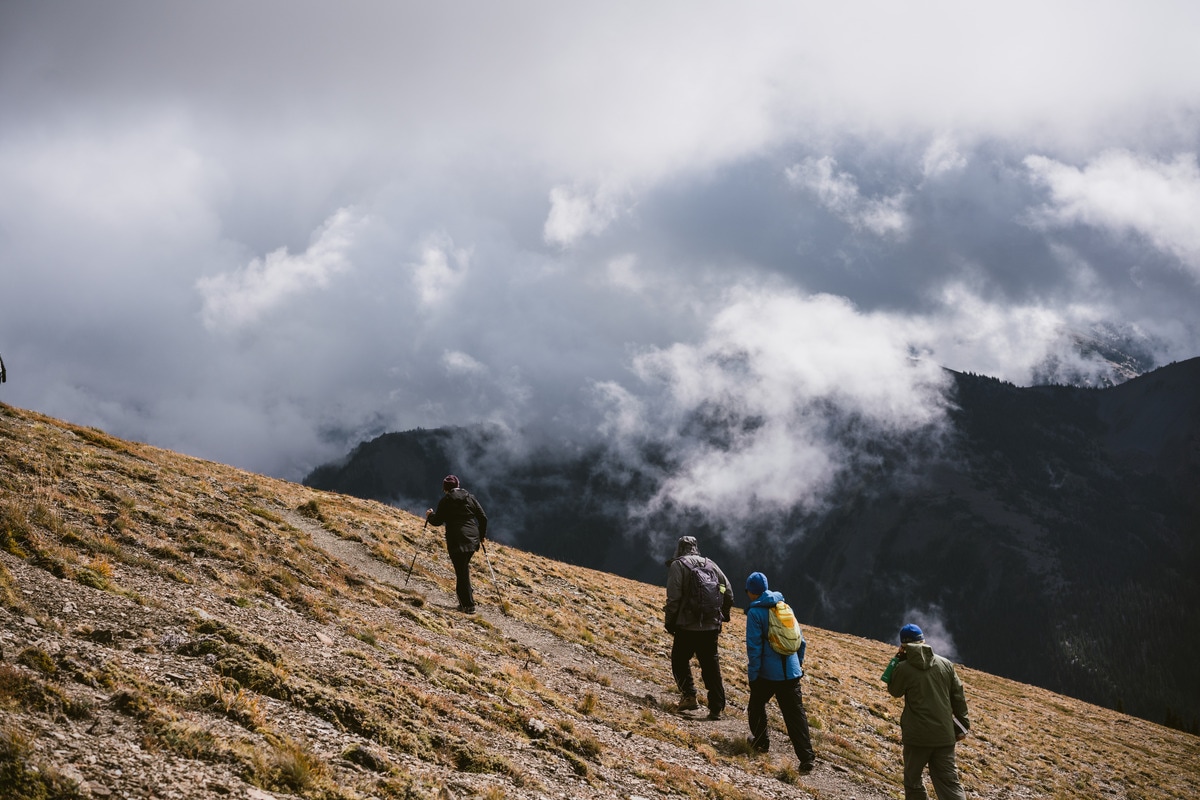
x=767, y=599
x=919, y=654
x=686, y=546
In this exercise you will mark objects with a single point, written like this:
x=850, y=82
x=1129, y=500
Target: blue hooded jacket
x=762, y=661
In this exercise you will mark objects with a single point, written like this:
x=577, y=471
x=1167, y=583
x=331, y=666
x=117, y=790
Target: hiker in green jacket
x=934, y=718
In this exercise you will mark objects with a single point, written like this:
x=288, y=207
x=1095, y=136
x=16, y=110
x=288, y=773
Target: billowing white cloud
x=942, y=156
x=441, y=270
x=235, y=300
x=1127, y=193
x=784, y=392
x=969, y=332
x=623, y=413
x=459, y=363
x=575, y=214
x=752, y=409
x=838, y=192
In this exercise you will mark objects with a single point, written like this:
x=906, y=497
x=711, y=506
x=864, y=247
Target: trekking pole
x=489, y=563
x=414, y=558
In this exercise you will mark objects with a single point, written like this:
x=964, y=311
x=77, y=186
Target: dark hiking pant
x=791, y=704
x=942, y=771
x=462, y=579
x=702, y=645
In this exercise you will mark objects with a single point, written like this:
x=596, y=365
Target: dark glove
x=670, y=629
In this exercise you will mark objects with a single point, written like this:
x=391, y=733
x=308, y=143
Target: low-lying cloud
x=755, y=413
x=932, y=622
x=784, y=393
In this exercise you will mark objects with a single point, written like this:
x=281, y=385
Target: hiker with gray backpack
x=698, y=602
x=774, y=665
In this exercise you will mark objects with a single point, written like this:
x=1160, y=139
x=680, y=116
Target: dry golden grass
x=430, y=697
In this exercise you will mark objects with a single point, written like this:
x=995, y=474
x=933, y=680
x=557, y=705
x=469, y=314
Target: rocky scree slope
x=175, y=628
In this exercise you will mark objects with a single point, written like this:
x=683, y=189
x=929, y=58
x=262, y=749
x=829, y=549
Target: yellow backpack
x=783, y=632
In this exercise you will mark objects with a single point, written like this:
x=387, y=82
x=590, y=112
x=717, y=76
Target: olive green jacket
x=933, y=697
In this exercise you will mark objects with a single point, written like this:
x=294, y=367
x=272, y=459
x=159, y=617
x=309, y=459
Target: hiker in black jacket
x=695, y=624
x=466, y=528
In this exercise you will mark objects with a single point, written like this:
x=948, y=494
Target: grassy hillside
x=172, y=627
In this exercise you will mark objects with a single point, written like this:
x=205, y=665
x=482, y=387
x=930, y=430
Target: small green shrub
x=292, y=768
x=479, y=759
x=20, y=778
x=90, y=577
x=37, y=659
x=15, y=533
x=312, y=510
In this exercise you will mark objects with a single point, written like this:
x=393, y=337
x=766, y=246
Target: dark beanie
x=449, y=482
x=756, y=583
x=911, y=633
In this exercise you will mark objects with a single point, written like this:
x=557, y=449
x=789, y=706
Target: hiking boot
x=688, y=703
x=467, y=609
x=807, y=767
x=715, y=713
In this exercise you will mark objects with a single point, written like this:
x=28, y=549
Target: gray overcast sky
x=260, y=232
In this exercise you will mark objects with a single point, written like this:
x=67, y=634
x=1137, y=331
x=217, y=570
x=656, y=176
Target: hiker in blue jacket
x=773, y=675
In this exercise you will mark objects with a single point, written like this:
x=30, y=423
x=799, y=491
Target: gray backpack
x=703, y=592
